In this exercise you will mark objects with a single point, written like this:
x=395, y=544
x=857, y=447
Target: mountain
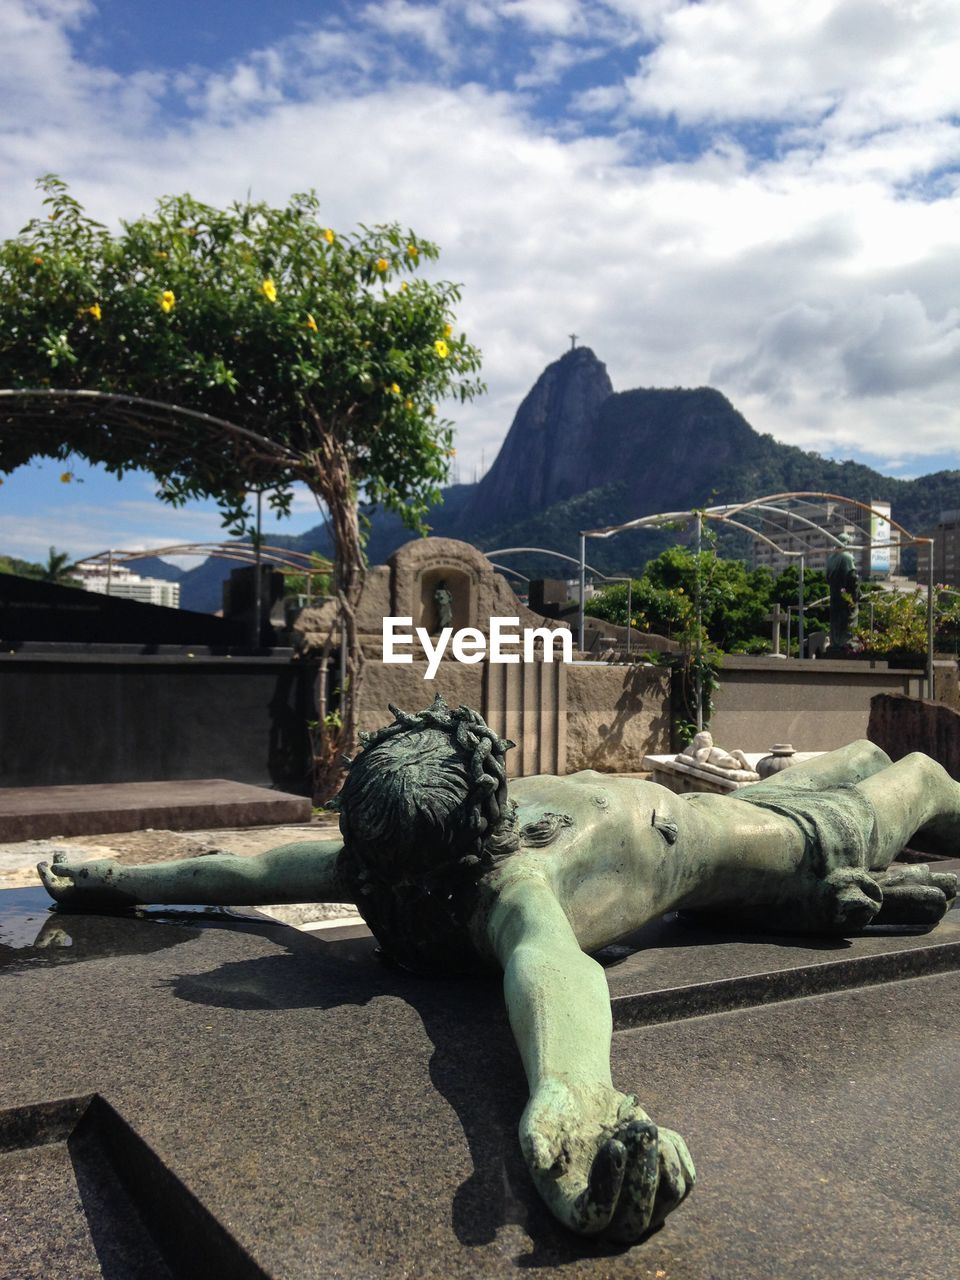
x=580, y=455
x=541, y=461
x=154, y=567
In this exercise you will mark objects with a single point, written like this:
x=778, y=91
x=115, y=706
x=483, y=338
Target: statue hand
x=600, y=1162
x=84, y=886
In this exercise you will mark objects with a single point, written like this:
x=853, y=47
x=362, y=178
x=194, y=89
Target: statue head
x=424, y=813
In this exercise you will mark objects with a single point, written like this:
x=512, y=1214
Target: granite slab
x=194, y=1086
x=37, y=813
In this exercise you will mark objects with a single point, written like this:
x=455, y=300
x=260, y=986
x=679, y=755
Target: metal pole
x=699, y=675
x=583, y=586
x=258, y=585
x=800, y=609
x=629, y=611
x=930, y=622
x=109, y=569
x=789, y=616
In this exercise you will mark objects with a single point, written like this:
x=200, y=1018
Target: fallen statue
x=451, y=873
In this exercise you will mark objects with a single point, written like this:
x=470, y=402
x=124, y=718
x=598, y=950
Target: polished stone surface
x=298, y=1107
x=36, y=813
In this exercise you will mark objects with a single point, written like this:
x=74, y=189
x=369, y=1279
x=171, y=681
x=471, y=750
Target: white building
x=126, y=585
x=874, y=544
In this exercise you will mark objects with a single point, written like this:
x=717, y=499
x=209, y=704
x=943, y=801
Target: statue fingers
x=595, y=1206
x=633, y=1214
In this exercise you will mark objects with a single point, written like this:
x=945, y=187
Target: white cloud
x=555, y=17
x=423, y=22
x=810, y=274
x=866, y=62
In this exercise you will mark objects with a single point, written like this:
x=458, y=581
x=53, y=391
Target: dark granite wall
x=900, y=724
x=122, y=718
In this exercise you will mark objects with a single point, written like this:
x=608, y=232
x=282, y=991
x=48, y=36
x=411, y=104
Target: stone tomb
x=404, y=588
x=528, y=699
x=189, y=1095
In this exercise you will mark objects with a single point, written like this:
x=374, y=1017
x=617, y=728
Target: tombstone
x=776, y=616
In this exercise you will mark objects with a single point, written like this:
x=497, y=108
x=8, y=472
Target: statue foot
x=84, y=886
x=849, y=899
x=914, y=895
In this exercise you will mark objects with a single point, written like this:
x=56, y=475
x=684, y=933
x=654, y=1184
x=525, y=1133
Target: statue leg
x=850, y=764
x=916, y=802
x=302, y=872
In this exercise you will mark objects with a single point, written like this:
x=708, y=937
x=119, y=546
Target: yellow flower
x=403, y=286
x=382, y=265
x=38, y=262
x=162, y=254
x=413, y=251
x=408, y=404
x=394, y=388
x=329, y=236
x=168, y=300
x=269, y=290
x=66, y=477
x=448, y=330
x=441, y=348
x=310, y=323
x=94, y=311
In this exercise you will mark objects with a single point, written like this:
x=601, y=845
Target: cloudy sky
x=743, y=193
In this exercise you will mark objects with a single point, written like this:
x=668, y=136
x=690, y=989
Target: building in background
x=875, y=546
x=946, y=551
x=126, y=585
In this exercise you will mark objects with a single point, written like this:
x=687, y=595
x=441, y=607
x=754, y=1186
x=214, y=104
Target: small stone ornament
x=782, y=756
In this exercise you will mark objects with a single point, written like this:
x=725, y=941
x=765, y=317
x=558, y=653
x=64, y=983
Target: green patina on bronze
x=454, y=874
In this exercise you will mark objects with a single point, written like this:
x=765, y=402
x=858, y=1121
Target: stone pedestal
x=186, y=1094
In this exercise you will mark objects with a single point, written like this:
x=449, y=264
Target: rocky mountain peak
x=544, y=456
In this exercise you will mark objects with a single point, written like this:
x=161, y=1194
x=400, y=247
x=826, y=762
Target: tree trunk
x=336, y=735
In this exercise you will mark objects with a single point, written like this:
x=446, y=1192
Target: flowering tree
x=234, y=350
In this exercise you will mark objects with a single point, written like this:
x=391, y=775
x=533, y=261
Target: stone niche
x=404, y=588
x=418, y=568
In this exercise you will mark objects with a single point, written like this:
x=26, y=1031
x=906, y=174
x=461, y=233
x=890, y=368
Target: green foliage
x=899, y=623
x=326, y=345
x=314, y=582
x=57, y=568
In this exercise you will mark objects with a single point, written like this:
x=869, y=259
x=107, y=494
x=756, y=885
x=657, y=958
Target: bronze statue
x=844, y=582
x=443, y=599
x=452, y=873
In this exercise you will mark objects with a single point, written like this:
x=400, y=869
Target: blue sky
x=741, y=193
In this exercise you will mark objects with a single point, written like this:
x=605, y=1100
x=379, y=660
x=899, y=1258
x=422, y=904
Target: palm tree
x=57, y=568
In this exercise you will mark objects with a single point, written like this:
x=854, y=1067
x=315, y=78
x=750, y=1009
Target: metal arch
x=581, y=565
x=502, y=568
x=281, y=557
x=545, y=551
x=118, y=400
x=830, y=497
x=726, y=511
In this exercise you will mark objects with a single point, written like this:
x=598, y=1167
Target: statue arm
x=596, y=1158
x=306, y=871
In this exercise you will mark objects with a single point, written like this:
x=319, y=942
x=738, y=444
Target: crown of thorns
x=484, y=752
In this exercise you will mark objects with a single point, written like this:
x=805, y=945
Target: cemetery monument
x=452, y=873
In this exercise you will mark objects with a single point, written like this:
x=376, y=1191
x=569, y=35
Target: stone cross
x=573, y=339
x=776, y=616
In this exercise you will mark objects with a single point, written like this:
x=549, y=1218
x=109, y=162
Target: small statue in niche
x=844, y=582
x=443, y=599
x=452, y=873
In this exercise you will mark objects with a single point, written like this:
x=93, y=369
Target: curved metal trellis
x=729, y=513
